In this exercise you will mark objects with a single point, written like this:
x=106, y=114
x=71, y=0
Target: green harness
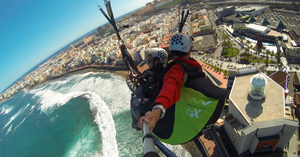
x=200, y=105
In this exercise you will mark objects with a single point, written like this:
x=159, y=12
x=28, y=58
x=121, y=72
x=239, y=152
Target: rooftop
x=252, y=19
x=280, y=78
x=280, y=25
x=238, y=15
x=290, y=20
x=210, y=144
x=258, y=110
x=250, y=7
x=265, y=22
x=257, y=27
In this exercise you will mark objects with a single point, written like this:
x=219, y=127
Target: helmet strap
x=154, y=61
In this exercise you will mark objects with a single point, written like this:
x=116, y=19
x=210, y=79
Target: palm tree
x=257, y=50
x=248, y=42
x=230, y=47
x=264, y=48
x=249, y=47
x=242, y=39
x=247, y=53
x=278, y=55
x=225, y=73
x=267, y=58
x=235, y=60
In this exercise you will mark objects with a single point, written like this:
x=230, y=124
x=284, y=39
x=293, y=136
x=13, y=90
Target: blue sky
x=32, y=30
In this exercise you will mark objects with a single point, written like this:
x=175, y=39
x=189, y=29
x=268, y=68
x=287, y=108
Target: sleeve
x=170, y=92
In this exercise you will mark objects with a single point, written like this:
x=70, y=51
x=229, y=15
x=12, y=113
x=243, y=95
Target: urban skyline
x=32, y=31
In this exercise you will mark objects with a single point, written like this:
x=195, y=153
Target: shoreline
x=120, y=72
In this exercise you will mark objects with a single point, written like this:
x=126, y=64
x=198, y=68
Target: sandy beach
x=122, y=73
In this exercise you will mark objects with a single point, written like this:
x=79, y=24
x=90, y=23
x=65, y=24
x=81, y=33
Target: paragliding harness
x=151, y=81
x=200, y=105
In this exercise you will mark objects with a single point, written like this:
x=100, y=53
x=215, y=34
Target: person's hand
x=150, y=118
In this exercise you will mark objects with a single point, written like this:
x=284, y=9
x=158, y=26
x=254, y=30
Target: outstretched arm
x=150, y=118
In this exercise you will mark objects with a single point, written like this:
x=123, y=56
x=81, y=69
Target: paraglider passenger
x=147, y=85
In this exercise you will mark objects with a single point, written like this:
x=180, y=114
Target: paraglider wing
x=130, y=64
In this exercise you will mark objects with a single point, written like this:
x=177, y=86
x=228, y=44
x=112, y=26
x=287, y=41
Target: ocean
x=80, y=115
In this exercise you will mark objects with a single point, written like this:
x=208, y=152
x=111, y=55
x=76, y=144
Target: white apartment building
x=256, y=119
x=252, y=9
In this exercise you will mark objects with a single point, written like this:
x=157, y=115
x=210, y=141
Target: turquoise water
x=255, y=41
x=81, y=115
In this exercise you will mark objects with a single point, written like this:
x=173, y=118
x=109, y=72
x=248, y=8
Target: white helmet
x=181, y=42
x=158, y=52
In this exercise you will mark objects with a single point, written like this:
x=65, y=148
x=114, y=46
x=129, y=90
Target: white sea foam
x=59, y=82
x=105, y=120
x=83, y=143
x=52, y=120
x=102, y=115
x=16, y=115
x=113, y=90
x=24, y=91
x=48, y=99
x=6, y=109
x=8, y=130
x=99, y=92
x=24, y=117
x=19, y=124
x=93, y=87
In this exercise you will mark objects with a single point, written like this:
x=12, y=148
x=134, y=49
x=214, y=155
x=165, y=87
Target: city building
x=78, y=44
x=281, y=78
x=166, y=42
x=202, y=25
x=223, y=12
x=256, y=120
x=258, y=28
x=252, y=9
x=295, y=35
x=296, y=87
x=88, y=40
